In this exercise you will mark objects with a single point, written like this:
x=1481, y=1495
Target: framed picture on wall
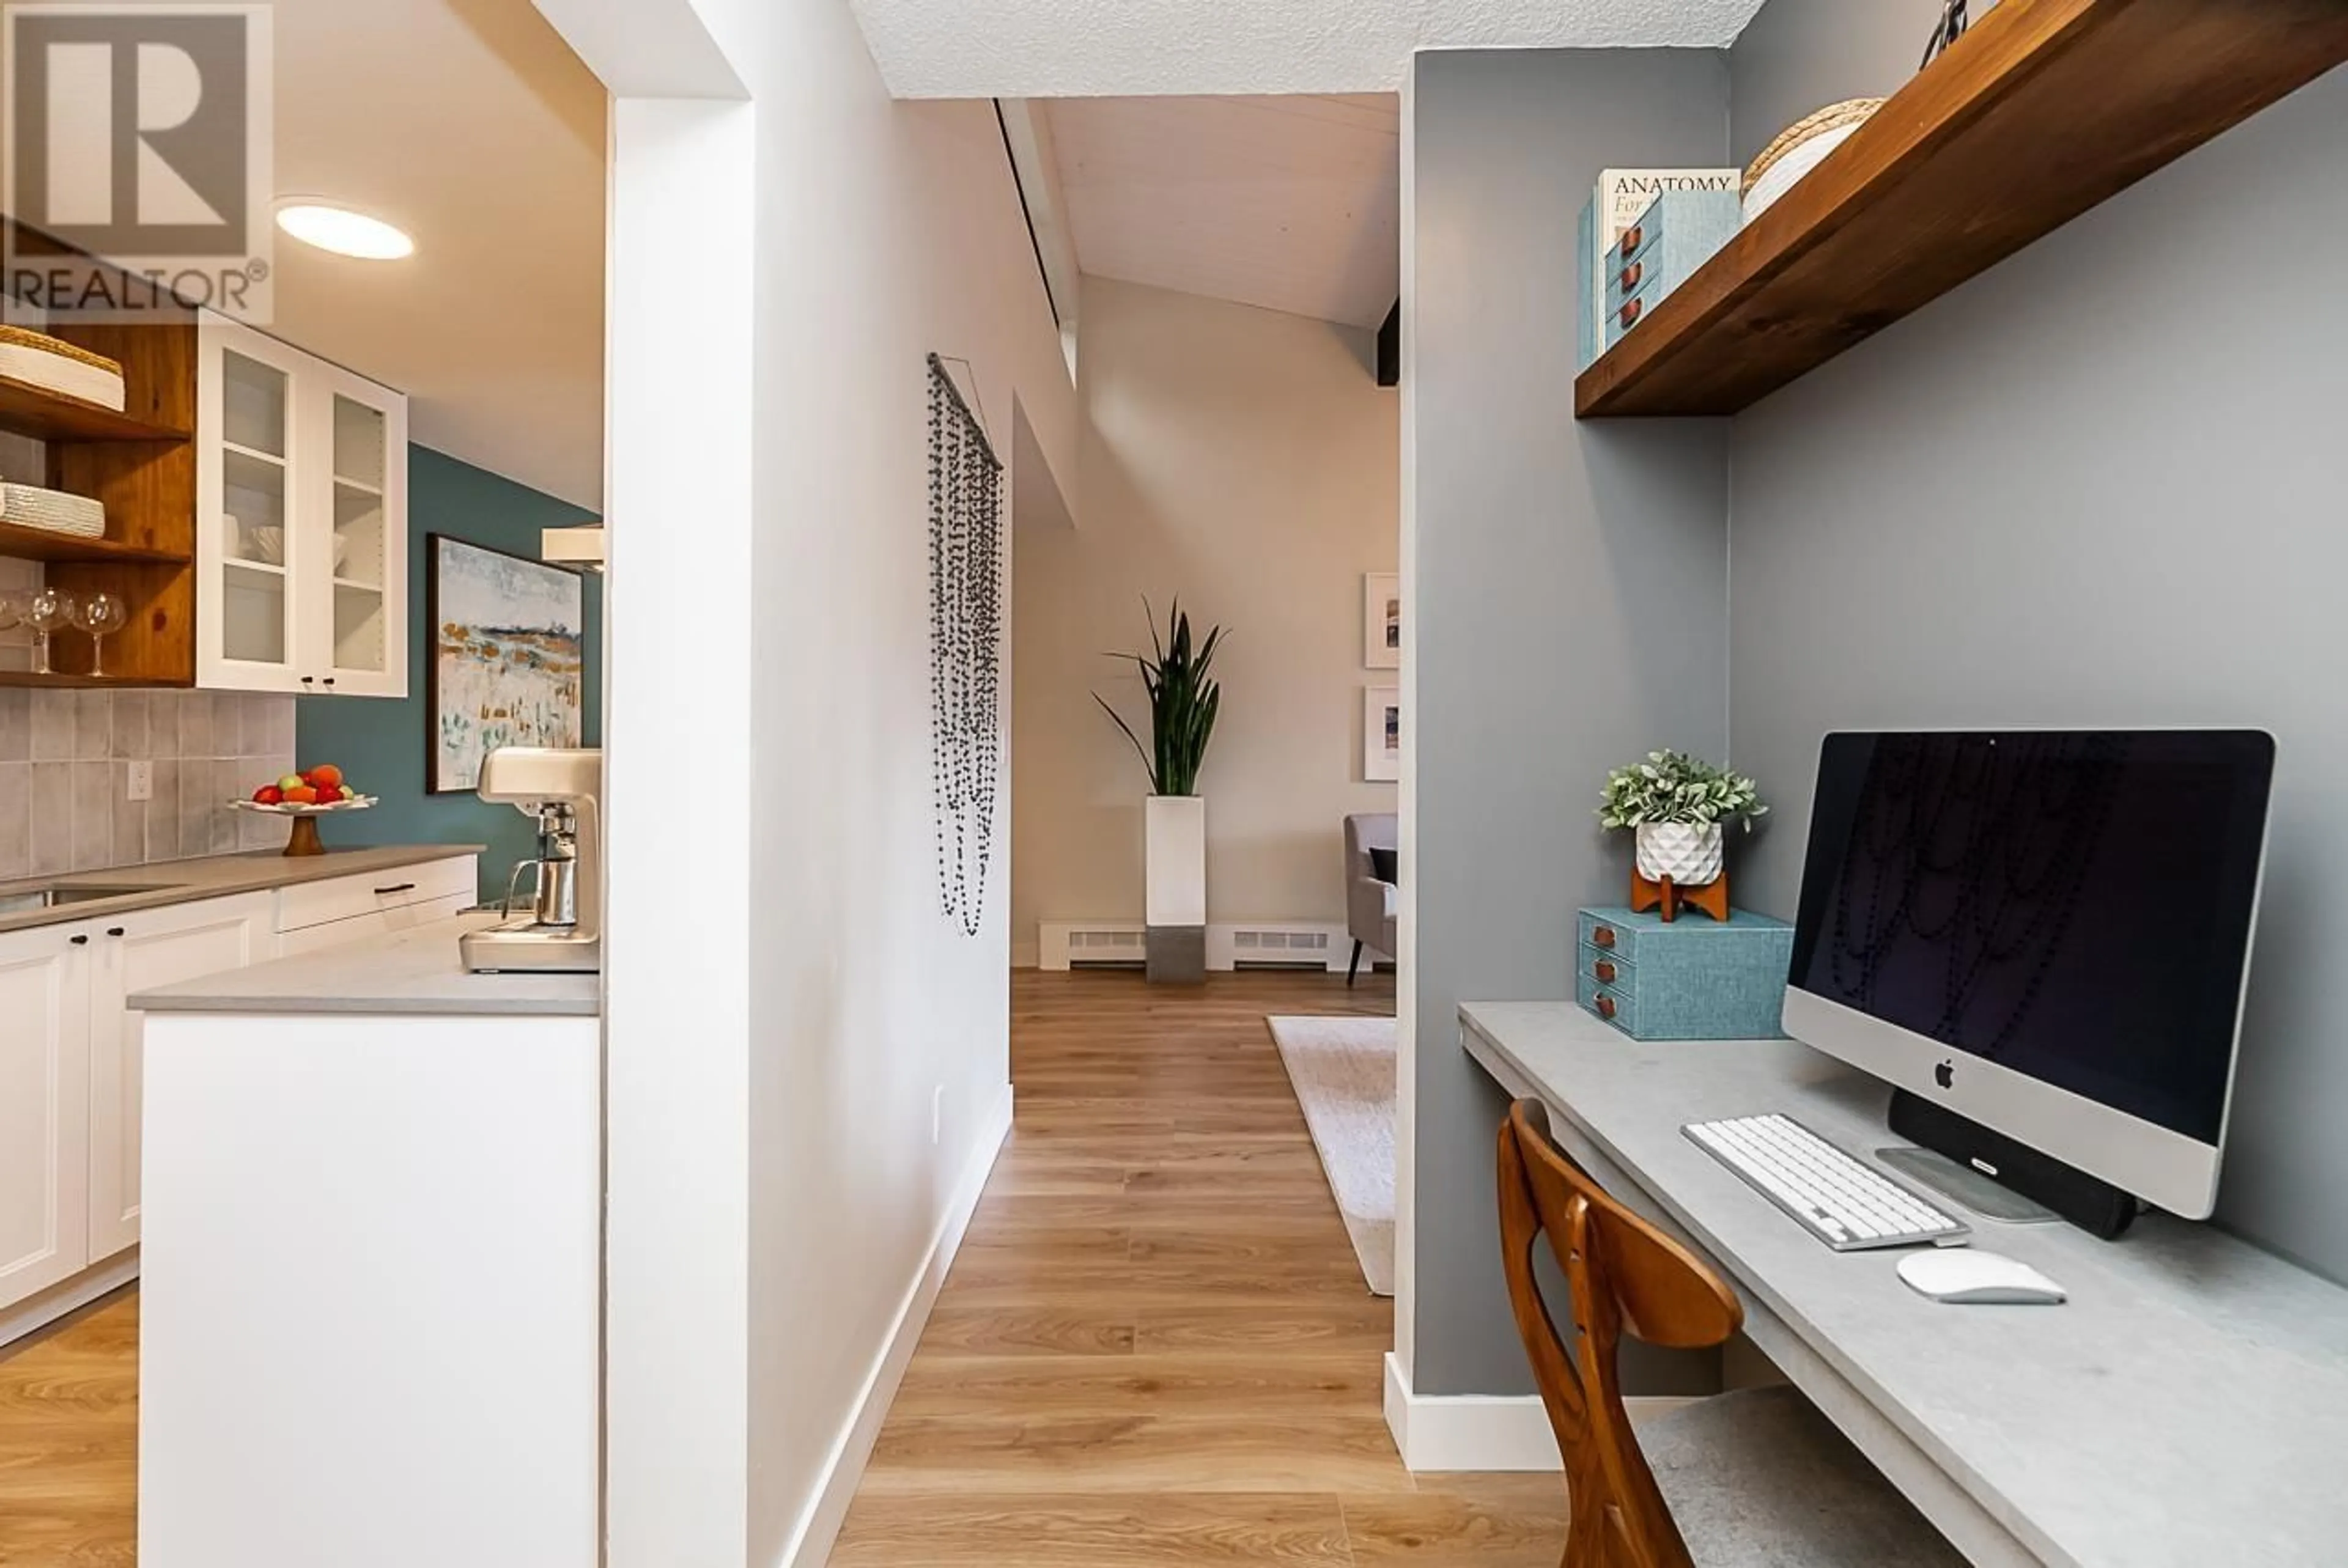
x=509, y=657
x=1381, y=733
x=1381, y=621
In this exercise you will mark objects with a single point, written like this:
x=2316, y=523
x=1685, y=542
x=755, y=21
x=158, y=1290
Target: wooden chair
x=1751, y=1480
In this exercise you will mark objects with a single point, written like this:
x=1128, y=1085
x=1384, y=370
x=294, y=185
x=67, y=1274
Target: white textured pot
x=1686, y=852
x=1175, y=829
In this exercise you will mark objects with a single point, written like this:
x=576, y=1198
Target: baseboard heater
x=1230, y=944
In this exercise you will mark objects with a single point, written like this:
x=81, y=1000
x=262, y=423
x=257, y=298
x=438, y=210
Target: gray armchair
x=1370, y=904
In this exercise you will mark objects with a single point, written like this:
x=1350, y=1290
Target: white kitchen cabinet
x=128, y=954
x=301, y=526
x=43, y=1109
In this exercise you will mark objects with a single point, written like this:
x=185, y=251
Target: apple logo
x=1945, y=1075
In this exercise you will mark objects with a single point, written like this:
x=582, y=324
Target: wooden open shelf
x=47, y=416
x=39, y=544
x=2045, y=109
x=88, y=682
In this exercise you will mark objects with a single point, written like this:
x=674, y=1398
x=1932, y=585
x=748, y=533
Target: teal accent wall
x=381, y=744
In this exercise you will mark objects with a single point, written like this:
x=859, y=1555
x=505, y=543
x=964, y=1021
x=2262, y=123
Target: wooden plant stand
x=1712, y=897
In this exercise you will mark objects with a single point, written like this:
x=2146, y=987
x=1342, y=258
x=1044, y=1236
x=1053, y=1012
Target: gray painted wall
x=1796, y=56
x=1569, y=583
x=2102, y=484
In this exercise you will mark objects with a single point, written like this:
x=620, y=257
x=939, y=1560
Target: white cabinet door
x=43, y=1108
x=251, y=472
x=302, y=541
x=137, y=953
x=353, y=592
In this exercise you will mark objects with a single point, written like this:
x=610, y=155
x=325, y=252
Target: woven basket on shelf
x=51, y=511
x=60, y=366
x=1800, y=148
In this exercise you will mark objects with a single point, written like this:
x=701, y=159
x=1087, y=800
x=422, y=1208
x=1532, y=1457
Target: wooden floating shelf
x=88, y=682
x=40, y=544
x=2045, y=110
x=47, y=416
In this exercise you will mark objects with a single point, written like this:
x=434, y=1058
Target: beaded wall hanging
x=965, y=645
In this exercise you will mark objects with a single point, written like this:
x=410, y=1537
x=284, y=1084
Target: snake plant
x=1182, y=702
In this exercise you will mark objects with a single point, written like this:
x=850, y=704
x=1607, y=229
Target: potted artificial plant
x=1183, y=701
x=1675, y=806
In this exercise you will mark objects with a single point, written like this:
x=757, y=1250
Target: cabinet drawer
x=1617, y=1007
x=1609, y=968
x=311, y=904
x=1617, y=940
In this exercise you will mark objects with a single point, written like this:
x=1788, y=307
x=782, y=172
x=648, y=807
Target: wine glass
x=99, y=615
x=47, y=610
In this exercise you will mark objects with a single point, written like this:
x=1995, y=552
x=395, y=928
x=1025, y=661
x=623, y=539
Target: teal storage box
x=1677, y=235
x=1690, y=979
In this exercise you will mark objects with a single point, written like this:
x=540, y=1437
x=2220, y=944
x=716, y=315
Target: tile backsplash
x=65, y=786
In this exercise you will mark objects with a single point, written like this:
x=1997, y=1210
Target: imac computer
x=2041, y=938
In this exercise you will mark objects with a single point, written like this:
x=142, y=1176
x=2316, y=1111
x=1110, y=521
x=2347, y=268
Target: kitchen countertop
x=415, y=971
x=211, y=876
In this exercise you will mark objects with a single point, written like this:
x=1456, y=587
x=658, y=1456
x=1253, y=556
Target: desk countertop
x=412, y=971
x=2189, y=1406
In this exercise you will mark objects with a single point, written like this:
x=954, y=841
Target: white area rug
x=1344, y=1070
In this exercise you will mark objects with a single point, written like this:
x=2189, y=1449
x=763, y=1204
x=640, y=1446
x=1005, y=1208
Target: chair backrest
x=1623, y=1276
x=1366, y=831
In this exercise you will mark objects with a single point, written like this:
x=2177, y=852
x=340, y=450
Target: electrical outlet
x=937, y=1112
x=142, y=781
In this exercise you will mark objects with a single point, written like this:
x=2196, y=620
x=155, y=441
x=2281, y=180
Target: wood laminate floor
x=69, y=1442
x=1155, y=1347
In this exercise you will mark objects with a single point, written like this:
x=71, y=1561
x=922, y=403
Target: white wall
x=883, y=231
x=1248, y=462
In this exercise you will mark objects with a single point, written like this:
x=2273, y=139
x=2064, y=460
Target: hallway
x=1155, y=1346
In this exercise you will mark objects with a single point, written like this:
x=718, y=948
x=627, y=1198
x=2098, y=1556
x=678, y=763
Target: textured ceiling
x=470, y=125
x=1078, y=48
x=1289, y=203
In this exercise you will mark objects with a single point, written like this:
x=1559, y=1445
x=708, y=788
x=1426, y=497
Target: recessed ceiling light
x=343, y=230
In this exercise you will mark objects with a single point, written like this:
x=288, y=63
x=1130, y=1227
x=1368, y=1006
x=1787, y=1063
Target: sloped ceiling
x=470, y=125
x=1289, y=203
x=1071, y=49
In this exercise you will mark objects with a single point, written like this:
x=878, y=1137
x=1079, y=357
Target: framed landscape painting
x=509, y=657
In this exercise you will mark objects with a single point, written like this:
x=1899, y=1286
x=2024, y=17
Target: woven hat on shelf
x=1800, y=148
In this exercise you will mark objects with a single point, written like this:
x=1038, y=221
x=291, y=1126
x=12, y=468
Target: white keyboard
x=1844, y=1203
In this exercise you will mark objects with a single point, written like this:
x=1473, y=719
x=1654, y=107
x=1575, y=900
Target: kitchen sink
x=59, y=895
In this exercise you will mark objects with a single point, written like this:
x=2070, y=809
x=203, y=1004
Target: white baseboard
x=811, y=1542
x=1438, y=1432
x=69, y=1295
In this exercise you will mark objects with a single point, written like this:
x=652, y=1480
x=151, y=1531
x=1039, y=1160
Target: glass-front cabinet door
x=249, y=479
x=302, y=553
x=360, y=607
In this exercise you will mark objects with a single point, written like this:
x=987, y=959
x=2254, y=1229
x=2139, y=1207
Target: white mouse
x=1963, y=1275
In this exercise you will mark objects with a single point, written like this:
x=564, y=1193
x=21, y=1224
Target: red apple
x=329, y=794
x=268, y=794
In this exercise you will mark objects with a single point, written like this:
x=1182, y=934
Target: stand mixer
x=562, y=930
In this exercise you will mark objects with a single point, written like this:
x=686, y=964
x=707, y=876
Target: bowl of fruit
x=306, y=796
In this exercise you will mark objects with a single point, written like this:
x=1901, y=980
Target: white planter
x=1175, y=830
x=1687, y=853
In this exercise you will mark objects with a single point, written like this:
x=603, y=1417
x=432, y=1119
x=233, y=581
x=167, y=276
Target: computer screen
x=2073, y=906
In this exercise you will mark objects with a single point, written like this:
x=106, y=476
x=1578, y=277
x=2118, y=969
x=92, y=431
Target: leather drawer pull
x=1603, y=937
x=1631, y=237
x=1631, y=276
x=1630, y=310
x=1606, y=1007
x=1605, y=971
x=402, y=887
